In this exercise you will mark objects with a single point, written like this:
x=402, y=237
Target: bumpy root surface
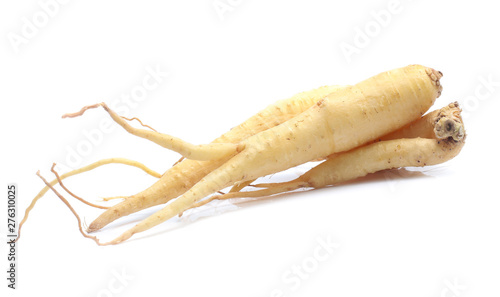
x=448, y=137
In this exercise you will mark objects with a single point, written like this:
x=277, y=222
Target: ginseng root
x=343, y=125
x=81, y=170
x=343, y=120
x=443, y=136
x=185, y=173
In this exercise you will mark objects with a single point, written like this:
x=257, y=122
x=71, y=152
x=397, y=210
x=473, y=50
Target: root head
x=448, y=123
x=435, y=77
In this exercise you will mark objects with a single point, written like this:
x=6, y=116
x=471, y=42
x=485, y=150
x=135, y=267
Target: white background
x=433, y=232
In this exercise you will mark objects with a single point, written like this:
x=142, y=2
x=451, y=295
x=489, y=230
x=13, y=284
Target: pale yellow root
x=410, y=152
x=340, y=122
x=71, y=193
x=185, y=173
x=49, y=185
x=85, y=169
x=134, y=118
x=85, y=108
x=422, y=128
x=81, y=111
x=447, y=137
x=201, y=152
x=178, y=161
x=114, y=197
x=238, y=186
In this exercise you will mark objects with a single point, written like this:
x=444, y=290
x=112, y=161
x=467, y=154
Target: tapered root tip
x=79, y=113
x=92, y=228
